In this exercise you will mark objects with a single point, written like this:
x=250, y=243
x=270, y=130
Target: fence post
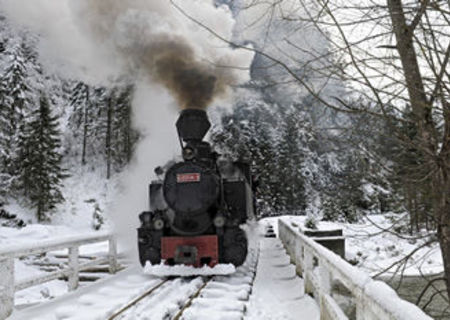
x=308, y=267
x=299, y=256
x=325, y=289
x=6, y=287
x=112, y=255
x=74, y=268
x=325, y=278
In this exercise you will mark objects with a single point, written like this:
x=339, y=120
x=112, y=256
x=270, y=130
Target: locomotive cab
x=198, y=205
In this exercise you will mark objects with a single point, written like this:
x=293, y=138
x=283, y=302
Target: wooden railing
x=8, y=284
x=327, y=276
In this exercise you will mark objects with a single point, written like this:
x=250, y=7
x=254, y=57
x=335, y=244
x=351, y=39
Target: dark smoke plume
x=162, y=53
x=193, y=84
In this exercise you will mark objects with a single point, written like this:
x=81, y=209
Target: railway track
x=190, y=300
x=212, y=297
x=193, y=298
x=221, y=297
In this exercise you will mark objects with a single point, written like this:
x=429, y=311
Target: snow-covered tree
x=124, y=136
x=101, y=124
x=291, y=153
x=82, y=115
x=40, y=172
x=15, y=100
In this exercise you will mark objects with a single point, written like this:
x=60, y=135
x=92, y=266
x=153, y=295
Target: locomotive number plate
x=188, y=177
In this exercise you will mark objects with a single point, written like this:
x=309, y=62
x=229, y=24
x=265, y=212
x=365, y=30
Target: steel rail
x=191, y=298
x=135, y=301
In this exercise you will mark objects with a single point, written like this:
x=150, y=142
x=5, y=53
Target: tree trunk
x=108, y=137
x=85, y=127
x=414, y=81
x=438, y=162
x=442, y=182
x=442, y=215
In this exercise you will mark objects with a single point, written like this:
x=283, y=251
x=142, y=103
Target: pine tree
x=292, y=149
x=40, y=161
x=5, y=156
x=15, y=102
x=15, y=81
x=82, y=115
x=124, y=136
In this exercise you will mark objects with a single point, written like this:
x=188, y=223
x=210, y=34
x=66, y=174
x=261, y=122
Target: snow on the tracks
x=162, y=270
x=225, y=297
x=166, y=301
x=93, y=302
x=278, y=293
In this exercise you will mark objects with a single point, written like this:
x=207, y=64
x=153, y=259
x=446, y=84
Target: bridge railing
x=8, y=284
x=327, y=277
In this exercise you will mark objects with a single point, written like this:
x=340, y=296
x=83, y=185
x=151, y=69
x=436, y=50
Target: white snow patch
x=163, y=270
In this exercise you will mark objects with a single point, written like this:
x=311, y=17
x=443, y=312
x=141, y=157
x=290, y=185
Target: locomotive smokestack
x=193, y=124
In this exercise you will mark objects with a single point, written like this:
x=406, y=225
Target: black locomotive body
x=197, y=205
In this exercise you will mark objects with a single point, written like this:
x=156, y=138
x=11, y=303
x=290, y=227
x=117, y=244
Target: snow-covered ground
x=374, y=245
x=39, y=293
x=85, y=191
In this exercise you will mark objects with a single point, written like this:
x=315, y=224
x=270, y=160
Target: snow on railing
x=8, y=285
x=326, y=276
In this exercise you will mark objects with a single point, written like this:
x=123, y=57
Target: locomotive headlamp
x=219, y=221
x=188, y=153
x=158, y=224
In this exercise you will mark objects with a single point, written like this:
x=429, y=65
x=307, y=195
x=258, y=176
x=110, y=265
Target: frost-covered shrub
x=338, y=209
x=97, y=218
x=311, y=223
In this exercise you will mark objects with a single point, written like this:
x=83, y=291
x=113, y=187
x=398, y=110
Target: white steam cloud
x=172, y=60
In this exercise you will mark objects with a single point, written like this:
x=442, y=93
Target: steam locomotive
x=197, y=205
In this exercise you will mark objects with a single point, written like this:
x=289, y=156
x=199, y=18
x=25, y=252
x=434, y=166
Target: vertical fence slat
x=74, y=268
x=112, y=255
x=6, y=287
x=308, y=267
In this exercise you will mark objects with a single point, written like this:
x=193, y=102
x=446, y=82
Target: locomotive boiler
x=197, y=205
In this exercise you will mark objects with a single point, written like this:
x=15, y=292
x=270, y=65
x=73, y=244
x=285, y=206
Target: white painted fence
x=8, y=285
x=324, y=273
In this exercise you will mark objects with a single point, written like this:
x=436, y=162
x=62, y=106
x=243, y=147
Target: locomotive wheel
x=234, y=246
